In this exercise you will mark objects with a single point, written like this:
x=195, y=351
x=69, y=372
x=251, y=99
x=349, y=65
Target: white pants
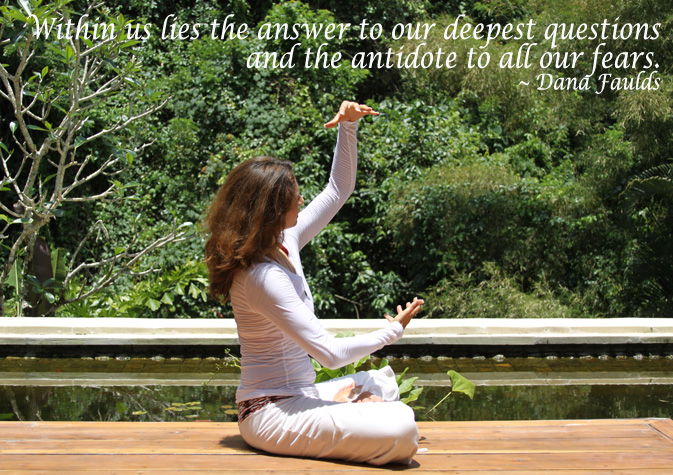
x=372, y=432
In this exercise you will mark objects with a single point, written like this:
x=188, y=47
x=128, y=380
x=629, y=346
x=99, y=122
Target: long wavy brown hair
x=246, y=219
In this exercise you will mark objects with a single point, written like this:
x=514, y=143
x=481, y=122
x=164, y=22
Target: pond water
x=173, y=389
x=215, y=403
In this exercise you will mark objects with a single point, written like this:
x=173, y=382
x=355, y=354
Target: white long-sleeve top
x=273, y=307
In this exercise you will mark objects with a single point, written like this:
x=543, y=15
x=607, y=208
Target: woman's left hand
x=351, y=112
x=404, y=316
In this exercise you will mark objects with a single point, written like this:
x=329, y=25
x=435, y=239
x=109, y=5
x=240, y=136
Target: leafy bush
x=497, y=296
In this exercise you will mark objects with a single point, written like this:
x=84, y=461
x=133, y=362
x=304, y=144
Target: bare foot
x=348, y=393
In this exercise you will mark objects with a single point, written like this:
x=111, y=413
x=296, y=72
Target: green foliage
x=535, y=230
x=325, y=374
x=651, y=182
x=648, y=199
x=497, y=296
x=15, y=281
x=72, y=106
x=172, y=294
x=489, y=198
x=14, y=278
x=230, y=361
x=408, y=392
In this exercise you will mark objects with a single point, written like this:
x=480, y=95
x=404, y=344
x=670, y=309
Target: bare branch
x=4, y=230
x=115, y=173
x=79, y=181
x=126, y=123
x=36, y=97
x=26, y=56
x=34, y=116
x=83, y=199
x=110, y=276
x=13, y=181
x=7, y=81
x=25, y=152
x=10, y=212
x=98, y=46
x=149, y=271
x=111, y=85
x=98, y=225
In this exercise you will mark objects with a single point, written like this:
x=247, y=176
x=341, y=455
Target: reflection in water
x=216, y=403
x=118, y=403
x=551, y=402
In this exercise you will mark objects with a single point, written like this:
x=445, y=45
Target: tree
x=72, y=84
x=648, y=202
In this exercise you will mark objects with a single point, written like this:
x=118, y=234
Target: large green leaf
x=413, y=395
x=153, y=304
x=14, y=277
x=58, y=265
x=407, y=384
x=460, y=384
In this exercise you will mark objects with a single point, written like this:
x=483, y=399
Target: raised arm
x=342, y=176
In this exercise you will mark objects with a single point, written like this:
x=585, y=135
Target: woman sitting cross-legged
x=256, y=231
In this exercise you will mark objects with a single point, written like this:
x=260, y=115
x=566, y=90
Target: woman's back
x=273, y=364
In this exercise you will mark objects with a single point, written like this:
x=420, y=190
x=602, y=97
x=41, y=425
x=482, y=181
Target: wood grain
x=580, y=447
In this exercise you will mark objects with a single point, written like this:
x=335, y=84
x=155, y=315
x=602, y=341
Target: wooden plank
x=238, y=463
x=184, y=446
x=93, y=433
x=206, y=430
x=517, y=433
x=236, y=445
x=431, y=425
x=232, y=426
x=448, y=434
x=546, y=462
x=173, y=426
x=547, y=424
x=663, y=427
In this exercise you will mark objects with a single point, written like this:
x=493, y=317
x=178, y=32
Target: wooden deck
x=634, y=447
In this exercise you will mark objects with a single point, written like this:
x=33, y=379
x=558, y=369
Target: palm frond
x=655, y=181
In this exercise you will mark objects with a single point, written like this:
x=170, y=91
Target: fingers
x=364, y=109
x=339, y=115
x=405, y=315
x=332, y=123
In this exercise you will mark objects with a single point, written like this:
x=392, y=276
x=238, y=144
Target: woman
x=256, y=232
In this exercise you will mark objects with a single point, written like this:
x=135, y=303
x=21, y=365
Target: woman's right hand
x=404, y=316
x=351, y=112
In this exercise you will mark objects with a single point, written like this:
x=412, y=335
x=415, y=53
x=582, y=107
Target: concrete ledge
x=444, y=332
